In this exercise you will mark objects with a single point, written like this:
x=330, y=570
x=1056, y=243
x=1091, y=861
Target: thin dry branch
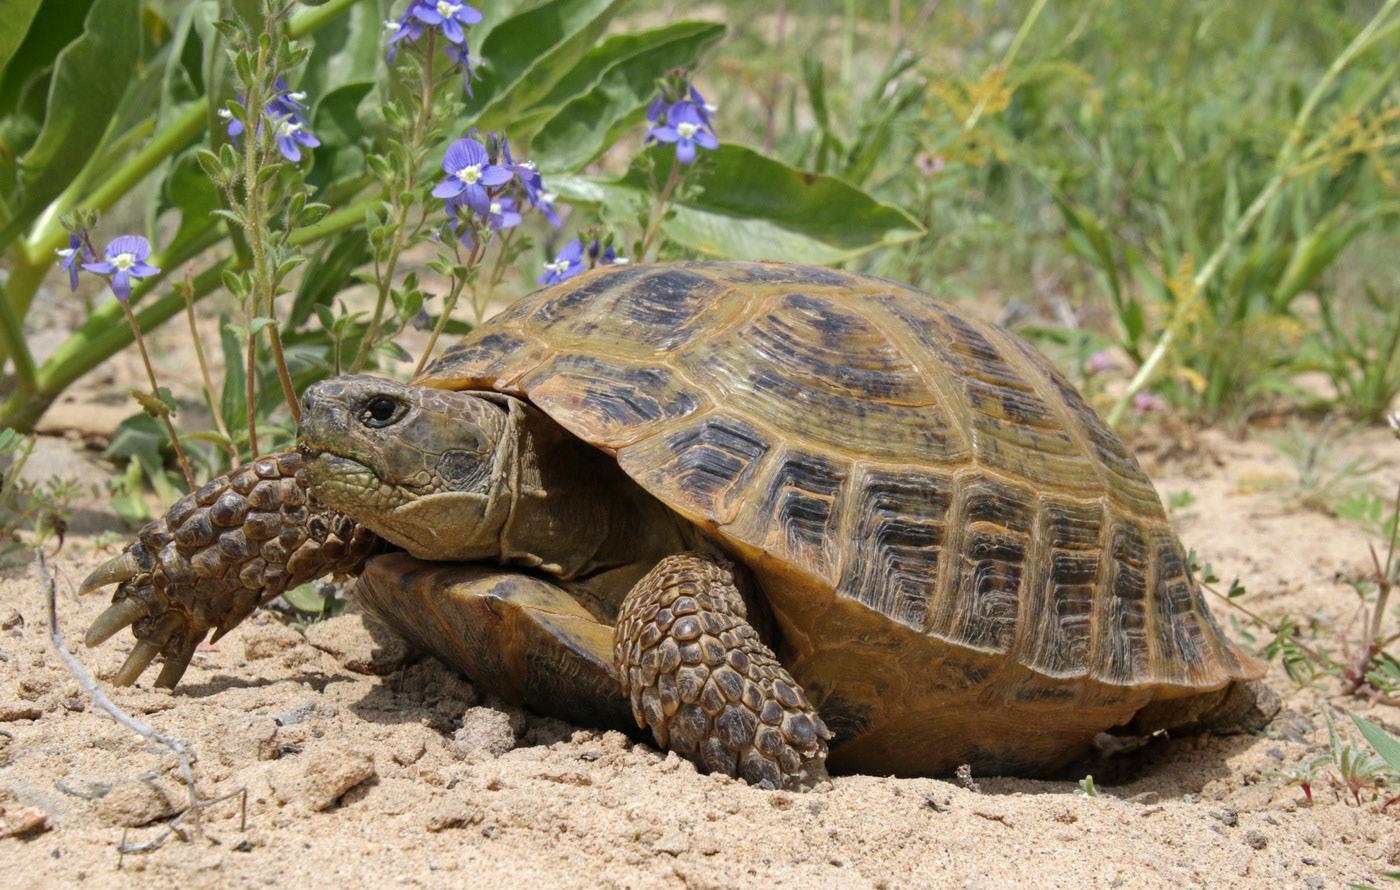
x=182, y=751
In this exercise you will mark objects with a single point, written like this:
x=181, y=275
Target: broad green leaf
x=585, y=127
x=90, y=77
x=328, y=275
x=306, y=598
x=752, y=207
x=16, y=14
x=233, y=401
x=1386, y=745
x=347, y=50
x=143, y=438
x=529, y=52
x=334, y=121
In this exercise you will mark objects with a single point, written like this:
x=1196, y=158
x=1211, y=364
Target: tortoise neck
x=571, y=511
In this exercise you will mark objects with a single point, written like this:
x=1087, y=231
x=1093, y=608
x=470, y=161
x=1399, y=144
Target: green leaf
x=233, y=401
x=90, y=76
x=753, y=207
x=306, y=598
x=529, y=52
x=1386, y=745
x=142, y=437
x=585, y=127
x=347, y=50
x=16, y=14
x=341, y=153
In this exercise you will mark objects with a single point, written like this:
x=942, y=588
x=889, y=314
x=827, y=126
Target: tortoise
x=770, y=512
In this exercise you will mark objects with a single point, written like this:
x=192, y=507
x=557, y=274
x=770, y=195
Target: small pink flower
x=929, y=163
x=1148, y=403
x=1100, y=362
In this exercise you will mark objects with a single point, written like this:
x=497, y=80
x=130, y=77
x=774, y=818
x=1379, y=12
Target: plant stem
x=1283, y=169
x=155, y=393
x=447, y=307
x=251, y=394
x=12, y=339
x=386, y=279
x=658, y=212
x=188, y=293
x=498, y=271
x=1011, y=52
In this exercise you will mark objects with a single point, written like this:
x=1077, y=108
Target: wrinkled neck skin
x=569, y=510
x=481, y=477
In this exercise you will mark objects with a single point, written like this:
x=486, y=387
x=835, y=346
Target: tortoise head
x=423, y=468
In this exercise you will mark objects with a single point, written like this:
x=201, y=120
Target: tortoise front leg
x=215, y=556
x=700, y=677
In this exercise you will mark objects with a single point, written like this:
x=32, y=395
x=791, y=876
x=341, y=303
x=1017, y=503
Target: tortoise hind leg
x=699, y=676
x=1241, y=707
x=513, y=634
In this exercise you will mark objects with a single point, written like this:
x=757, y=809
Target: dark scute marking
x=1073, y=526
x=714, y=456
x=483, y=356
x=801, y=499
x=618, y=397
x=997, y=520
x=821, y=372
x=1124, y=641
x=1071, y=532
x=1010, y=507
x=576, y=298
x=1182, y=637
x=847, y=720
x=895, y=552
x=662, y=310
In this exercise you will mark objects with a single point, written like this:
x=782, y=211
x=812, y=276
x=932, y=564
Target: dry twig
x=99, y=698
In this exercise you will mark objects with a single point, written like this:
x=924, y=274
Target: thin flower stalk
x=229, y=445
x=155, y=394
x=386, y=275
x=262, y=296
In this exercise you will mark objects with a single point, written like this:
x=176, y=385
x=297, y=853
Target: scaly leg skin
x=216, y=555
x=699, y=676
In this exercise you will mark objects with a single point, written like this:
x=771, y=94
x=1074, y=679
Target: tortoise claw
x=119, y=615
x=142, y=654
x=113, y=571
x=175, y=665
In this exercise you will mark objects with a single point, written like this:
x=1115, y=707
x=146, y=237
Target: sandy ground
x=363, y=764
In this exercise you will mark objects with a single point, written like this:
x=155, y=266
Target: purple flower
x=291, y=135
x=459, y=53
x=448, y=17
x=502, y=214
x=1148, y=403
x=405, y=27
x=604, y=255
x=75, y=250
x=566, y=265
x=544, y=203
x=288, y=111
x=469, y=172
x=525, y=171
x=686, y=128
x=1099, y=362
x=125, y=260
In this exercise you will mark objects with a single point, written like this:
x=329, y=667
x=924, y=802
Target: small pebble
x=1256, y=839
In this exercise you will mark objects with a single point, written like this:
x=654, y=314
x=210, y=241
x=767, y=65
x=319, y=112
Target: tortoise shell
x=966, y=564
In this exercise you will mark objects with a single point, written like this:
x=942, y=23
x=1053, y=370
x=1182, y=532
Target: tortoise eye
x=380, y=411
